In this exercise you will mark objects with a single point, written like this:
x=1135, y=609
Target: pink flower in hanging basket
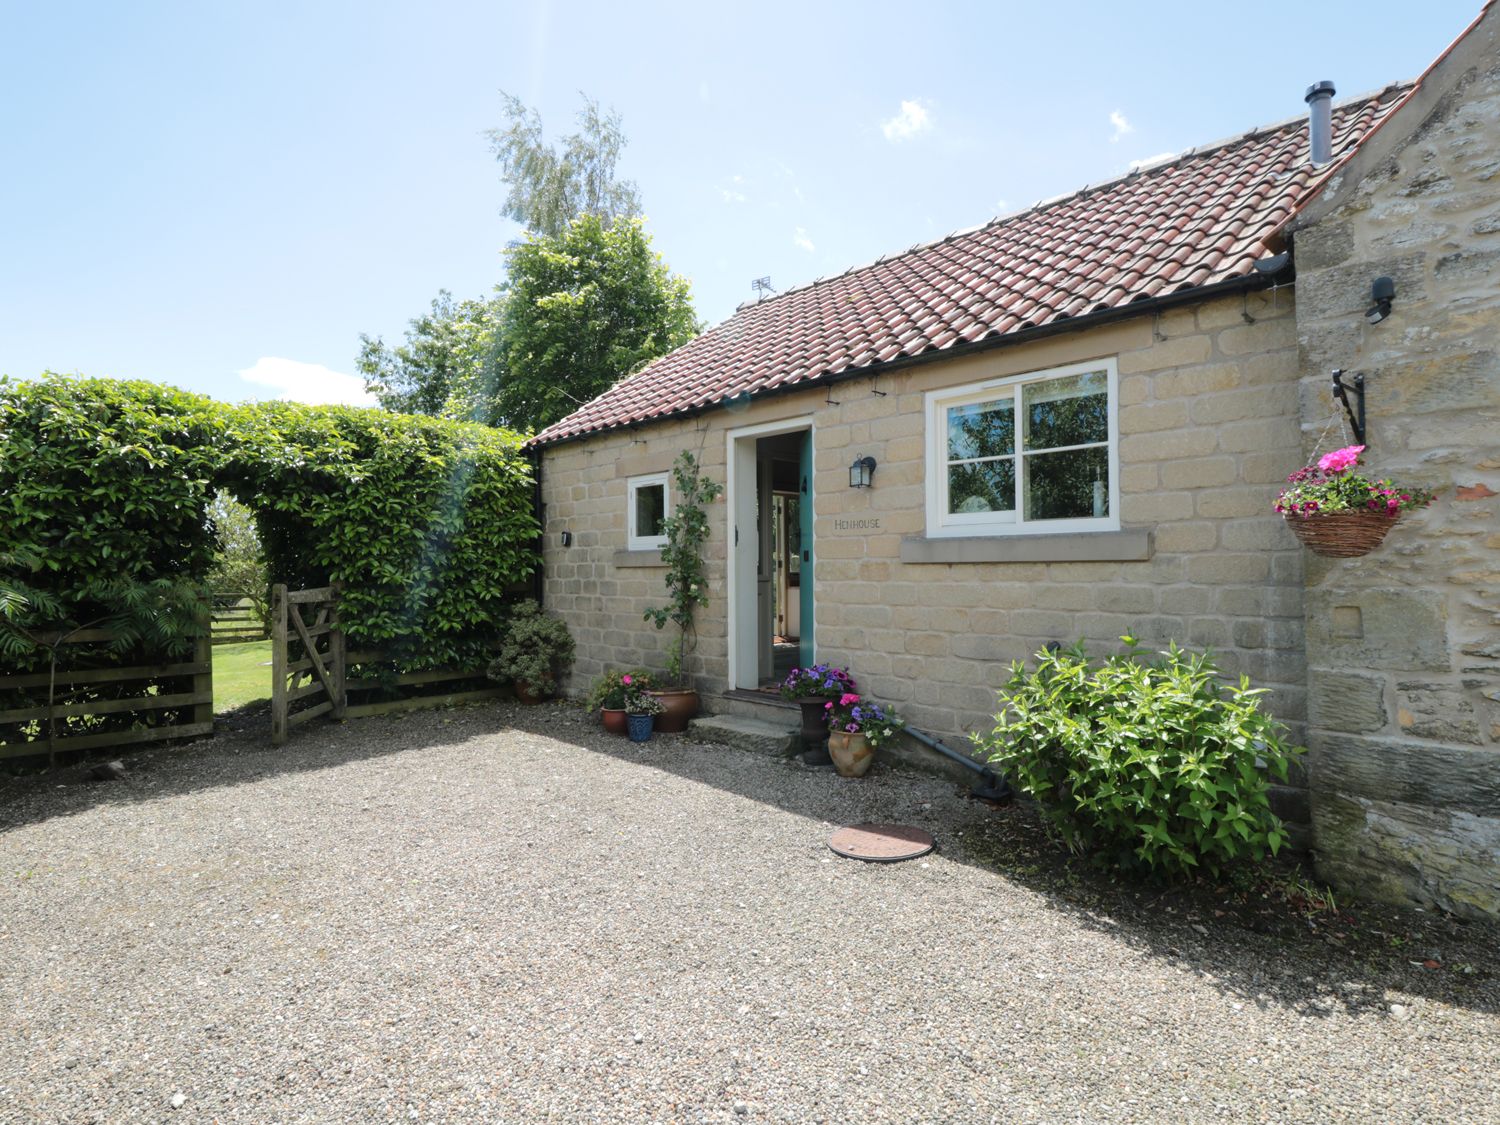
x=1340, y=459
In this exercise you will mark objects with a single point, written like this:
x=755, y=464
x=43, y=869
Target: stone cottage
x=1072, y=422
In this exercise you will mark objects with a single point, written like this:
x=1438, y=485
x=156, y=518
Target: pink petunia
x=626, y=680
x=848, y=699
x=1340, y=459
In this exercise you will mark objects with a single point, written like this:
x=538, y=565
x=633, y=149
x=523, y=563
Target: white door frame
x=740, y=492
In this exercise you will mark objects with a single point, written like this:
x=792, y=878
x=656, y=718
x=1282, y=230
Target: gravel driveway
x=496, y=915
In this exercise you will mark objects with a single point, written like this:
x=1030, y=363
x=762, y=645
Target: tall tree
x=445, y=367
x=585, y=309
x=550, y=187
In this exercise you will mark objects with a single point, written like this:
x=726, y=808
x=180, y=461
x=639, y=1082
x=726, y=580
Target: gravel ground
x=497, y=915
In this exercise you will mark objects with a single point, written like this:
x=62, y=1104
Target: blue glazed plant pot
x=640, y=727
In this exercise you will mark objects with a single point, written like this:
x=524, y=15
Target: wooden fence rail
x=235, y=619
x=139, y=694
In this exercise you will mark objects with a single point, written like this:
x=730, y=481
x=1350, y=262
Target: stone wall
x=1208, y=428
x=1403, y=646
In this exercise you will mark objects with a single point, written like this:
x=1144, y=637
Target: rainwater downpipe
x=539, y=510
x=989, y=786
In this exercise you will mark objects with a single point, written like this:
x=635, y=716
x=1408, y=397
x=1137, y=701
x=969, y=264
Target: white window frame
x=944, y=524
x=634, y=541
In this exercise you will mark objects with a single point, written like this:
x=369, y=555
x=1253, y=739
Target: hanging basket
x=1342, y=535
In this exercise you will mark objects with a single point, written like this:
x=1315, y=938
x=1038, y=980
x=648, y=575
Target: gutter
x=1245, y=283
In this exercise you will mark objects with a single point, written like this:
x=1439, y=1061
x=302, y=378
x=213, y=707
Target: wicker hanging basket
x=1342, y=535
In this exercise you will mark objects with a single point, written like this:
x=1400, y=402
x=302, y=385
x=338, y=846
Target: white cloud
x=732, y=193
x=913, y=119
x=296, y=381
x=1122, y=126
x=1146, y=162
x=801, y=241
x=1002, y=206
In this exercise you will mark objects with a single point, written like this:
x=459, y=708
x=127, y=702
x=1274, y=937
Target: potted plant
x=686, y=530
x=607, y=696
x=536, y=652
x=641, y=712
x=857, y=727
x=810, y=689
x=1340, y=514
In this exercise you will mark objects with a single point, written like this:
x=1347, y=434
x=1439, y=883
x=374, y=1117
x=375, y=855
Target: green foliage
x=105, y=490
x=1155, y=764
x=686, y=531
x=103, y=486
x=537, y=650
x=239, y=563
x=447, y=367
x=609, y=690
x=427, y=523
x=585, y=309
x=551, y=187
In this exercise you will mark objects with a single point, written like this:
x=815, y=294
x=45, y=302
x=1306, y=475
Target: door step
x=743, y=733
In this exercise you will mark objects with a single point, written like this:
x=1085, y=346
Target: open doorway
x=770, y=560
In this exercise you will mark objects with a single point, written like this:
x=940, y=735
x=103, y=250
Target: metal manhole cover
x=881, y=843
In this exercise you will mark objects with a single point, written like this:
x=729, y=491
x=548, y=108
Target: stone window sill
x=1130, y=545
x=638, y=558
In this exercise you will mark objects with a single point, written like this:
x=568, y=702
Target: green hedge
x=427, y=522
x=105, y=487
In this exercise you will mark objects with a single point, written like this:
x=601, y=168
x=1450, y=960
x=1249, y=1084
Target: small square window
x=1025, y=454
x=648, y=502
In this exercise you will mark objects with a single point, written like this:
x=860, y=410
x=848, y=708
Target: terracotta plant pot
x=614, y=721
x=814, y=721
x=851, y=753
x=524, y=694
x=682, y=705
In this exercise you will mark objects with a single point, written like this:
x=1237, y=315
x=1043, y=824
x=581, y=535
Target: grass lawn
x=242, y=674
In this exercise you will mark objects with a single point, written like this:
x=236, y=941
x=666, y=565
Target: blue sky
x=189, y=192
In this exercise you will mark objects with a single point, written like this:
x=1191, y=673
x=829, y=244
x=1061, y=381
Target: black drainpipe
x=539, y=510
x=990, y=786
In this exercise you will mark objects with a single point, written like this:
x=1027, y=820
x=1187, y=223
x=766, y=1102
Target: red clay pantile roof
x=1200, y=219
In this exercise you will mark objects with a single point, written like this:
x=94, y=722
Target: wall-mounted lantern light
x=567, y=539
x=1383, y=292
x=862, y=472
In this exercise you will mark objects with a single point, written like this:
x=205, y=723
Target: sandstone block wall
x=1209, y=427
x=1403, y=646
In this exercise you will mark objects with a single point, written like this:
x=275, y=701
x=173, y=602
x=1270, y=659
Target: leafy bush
x=1155, y=764
x=537, y=650
x=105, y=489
x=428, y=523
x=103, y=486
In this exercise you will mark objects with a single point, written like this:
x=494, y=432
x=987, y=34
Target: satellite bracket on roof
x=762, y=286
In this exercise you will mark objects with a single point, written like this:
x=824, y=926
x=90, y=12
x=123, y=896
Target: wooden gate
x=307, y=658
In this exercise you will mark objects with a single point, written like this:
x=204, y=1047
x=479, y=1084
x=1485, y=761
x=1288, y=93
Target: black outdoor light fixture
x=567, y=539
x=1383, y=292
x=862, y=472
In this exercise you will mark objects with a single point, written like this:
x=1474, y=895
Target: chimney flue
x=1319, y=100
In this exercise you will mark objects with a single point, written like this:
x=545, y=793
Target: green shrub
x=428, y=523
x=1155, y=764
x=105, y=488
x=537, y=650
